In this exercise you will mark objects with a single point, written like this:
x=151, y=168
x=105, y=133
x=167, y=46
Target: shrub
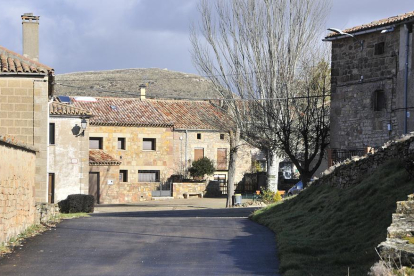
x=201, y=167
x=77, y=204
x=269, y=196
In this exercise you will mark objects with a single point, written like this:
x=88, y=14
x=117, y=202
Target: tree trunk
x=273, y=161
x=234, y=143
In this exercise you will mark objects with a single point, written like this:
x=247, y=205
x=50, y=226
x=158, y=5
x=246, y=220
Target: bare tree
x=250, y=50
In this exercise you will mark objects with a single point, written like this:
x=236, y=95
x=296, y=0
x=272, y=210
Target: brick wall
x=24, y=115
x=17, y=202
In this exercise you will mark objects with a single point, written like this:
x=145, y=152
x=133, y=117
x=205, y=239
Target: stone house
x=201, y=130
x=131, y=148
x=25, y=87
x=68, y=151
x=372, y=92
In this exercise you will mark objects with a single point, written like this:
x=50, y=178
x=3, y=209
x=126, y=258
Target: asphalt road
x=172, y=242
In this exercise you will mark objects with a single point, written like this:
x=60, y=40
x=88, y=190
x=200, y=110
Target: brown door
x=94, y=185
x=221, y=159
x=198, y=154
x=51, y=189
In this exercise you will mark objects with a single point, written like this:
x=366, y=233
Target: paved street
x=151, y=239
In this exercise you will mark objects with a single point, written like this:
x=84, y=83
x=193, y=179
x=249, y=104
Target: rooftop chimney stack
x=30, y=25
x=142, y=91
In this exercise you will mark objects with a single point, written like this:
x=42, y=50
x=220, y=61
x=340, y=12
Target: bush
x=269, y=196
x=77, y=204
x=201, y=167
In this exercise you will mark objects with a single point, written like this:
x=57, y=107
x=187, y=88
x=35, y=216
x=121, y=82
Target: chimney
x=142, y=91
x=30, y=36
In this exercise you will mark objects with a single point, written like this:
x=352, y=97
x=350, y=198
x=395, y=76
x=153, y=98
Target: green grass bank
x=326, y=230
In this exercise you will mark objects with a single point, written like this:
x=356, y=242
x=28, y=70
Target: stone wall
x=350, y=172
x=24, y=115
x=179, y=189
x=357, y=72
x=17, y=187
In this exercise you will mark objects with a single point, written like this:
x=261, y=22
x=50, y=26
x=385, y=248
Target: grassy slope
x=325, y=230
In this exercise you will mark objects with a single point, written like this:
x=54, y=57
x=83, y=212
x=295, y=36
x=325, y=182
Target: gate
x=163, y=190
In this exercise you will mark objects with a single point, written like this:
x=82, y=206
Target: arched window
x=379, y=100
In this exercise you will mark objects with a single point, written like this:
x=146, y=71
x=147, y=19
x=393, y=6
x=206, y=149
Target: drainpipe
x=407, y=51
x=186, y=146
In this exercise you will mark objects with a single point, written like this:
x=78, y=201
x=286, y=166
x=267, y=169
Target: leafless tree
x=250, y=49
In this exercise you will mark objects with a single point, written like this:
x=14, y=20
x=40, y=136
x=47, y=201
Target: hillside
x=331, y=227
x=161, y=83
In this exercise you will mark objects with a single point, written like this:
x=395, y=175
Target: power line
x=138, y=94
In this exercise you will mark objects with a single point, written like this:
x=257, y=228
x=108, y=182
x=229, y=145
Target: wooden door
x=51, y=188
x=94, y=185
x=221, y=159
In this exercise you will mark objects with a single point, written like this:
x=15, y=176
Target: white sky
x=85, y=35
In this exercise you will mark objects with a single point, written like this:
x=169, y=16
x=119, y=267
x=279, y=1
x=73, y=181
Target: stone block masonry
x=17, y=201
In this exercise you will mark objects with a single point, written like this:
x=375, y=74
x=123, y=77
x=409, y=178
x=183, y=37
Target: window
x=121, y=143
x=51, y=133
x=221, y=159
x=379, y=48
x=198, y=153
x=148, y=144
x=221, y=136
x=148, y=176
x=95, y=143
x=198, y=136
x=123, y=176
x=379, y=100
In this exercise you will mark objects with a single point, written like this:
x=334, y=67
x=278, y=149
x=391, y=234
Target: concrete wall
x=69, y=158
x=17, y=188
x=354, y=123
x=24, y=115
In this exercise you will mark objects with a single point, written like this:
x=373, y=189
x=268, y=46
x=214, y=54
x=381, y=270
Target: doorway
x=51, y=188
x=94, y=186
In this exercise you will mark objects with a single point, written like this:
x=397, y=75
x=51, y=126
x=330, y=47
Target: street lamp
x=84, y=123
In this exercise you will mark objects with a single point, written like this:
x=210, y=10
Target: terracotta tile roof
x=11, y=62
x=124, y=112
x=57, y=108
x=101, y=158
x=193, y=114
x=379, y=23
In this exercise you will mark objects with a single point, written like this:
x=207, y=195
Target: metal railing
x=340, y=155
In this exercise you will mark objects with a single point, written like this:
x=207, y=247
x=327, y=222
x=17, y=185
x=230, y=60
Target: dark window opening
x=221, y=136
x=148, y=144
x=121, y=143
x=199, y=136
x=51, y=133
x=148, y=176
x=379, y=48
x=95, y=143
x=123, y=175
x=379, y=100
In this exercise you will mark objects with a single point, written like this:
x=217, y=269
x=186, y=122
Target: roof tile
x=11, y=62
x=378, y=23
x=99, y=158
x=57, y=108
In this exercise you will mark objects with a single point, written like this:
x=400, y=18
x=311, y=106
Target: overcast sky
x=89, y=35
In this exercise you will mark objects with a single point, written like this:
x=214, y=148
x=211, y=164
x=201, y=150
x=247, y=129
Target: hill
x=333, y=226
x=161, y=83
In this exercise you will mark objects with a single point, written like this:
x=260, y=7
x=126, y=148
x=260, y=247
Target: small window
x=221, y=136
x=51, y=133
x=121, y=143
x=148, y=176
x=95, y=143
x=198, y=136
x=379, y=100
x=148, y=144
x=123, y=175
x=379, y=48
